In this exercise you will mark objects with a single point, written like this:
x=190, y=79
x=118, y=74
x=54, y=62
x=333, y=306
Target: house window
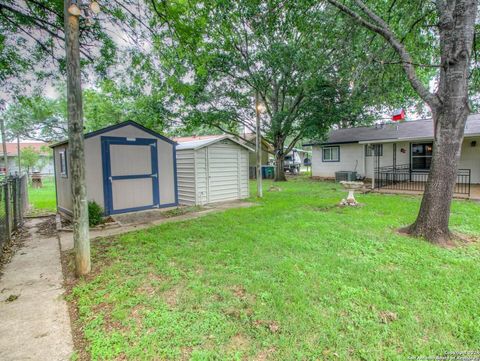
x=370, y=148
x=63, y=164
x=331, y=154
x=421, y=155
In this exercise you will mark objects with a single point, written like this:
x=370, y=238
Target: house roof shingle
x=420, y=129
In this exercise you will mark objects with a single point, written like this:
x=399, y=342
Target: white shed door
x=223, y=172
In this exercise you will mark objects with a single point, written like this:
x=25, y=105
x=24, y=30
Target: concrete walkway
x=34, y=319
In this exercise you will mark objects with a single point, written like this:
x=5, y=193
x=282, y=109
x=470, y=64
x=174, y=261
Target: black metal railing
x=403, y=178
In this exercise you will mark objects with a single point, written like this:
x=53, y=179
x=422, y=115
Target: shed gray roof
x=419, y=129
x=197, y=144
x=116, y=126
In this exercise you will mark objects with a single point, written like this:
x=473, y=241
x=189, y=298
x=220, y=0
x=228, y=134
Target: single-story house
x=128, y=168
x=393, y=153
x=212, y=170
x=43, y=166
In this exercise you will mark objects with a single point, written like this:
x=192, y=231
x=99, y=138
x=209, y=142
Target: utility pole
x=258, y=146
x=76, y=148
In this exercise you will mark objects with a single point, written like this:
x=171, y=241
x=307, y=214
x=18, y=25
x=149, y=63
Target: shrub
x=95, y=214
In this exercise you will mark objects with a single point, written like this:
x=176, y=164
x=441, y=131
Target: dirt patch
x=272, y=326
x=457, y=239
x=238, y=342
x=239, y=291
x=48, y=227
x=151, y=284
x=324, y=208
x=387, y=316
x=266, y=354
x=173, y=295
x=80, y=344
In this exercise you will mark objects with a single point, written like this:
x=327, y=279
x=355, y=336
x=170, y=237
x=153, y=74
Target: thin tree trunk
x=76, y=145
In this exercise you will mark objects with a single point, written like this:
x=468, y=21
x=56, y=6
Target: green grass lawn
x=294, y=278
x=43, y=200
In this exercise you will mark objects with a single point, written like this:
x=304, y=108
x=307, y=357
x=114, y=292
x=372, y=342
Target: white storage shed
x=212, y=170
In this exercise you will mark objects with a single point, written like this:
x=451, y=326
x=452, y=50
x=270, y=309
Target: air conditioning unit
x=345, y=176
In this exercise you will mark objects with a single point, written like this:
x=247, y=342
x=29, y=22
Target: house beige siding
x=351, y=158
x=94, y=172
x=62, y=183
x=353, y=155
x=214, y=173
x=470, y=158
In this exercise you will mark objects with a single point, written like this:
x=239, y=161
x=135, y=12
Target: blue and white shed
x=128, y=168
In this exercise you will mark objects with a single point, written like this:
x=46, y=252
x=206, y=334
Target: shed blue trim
x=132, y=176
x=107, y=172
x=117, y=126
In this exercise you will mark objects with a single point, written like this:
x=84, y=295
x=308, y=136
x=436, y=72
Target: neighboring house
x=212, y=170
x=393, y=154
x=44, y=165
x=127, y=166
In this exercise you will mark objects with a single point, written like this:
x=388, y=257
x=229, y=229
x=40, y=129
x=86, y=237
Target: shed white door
x=223, y=172
x=130, y=174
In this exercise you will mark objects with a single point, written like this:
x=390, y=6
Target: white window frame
x=420, y=156
x=63, y=163
x=328, y=149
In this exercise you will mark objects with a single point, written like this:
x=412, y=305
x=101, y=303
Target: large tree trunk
x=279, y=170
x=433, y=217
x=456, y=38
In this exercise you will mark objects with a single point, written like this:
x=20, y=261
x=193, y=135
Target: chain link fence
x=13, y=204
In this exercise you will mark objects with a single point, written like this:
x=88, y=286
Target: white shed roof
x=197, y=144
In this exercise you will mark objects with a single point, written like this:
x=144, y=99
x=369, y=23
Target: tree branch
x=379, y=26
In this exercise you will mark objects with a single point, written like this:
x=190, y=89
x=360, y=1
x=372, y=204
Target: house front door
x=130, y=174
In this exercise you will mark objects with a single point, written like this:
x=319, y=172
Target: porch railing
x=403, y=178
